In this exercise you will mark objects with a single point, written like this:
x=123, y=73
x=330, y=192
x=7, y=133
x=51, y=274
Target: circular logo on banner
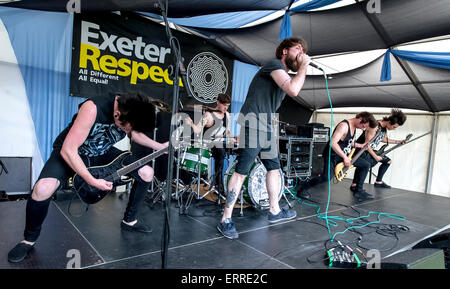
x=207, y=77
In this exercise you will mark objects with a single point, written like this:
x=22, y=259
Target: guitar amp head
x=321, y=134
x=316, y=131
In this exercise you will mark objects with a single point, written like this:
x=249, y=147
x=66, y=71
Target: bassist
x=343, y=140
x=88, y=141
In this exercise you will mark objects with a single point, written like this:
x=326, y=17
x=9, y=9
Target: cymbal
x=162, y=106
x=200, y=106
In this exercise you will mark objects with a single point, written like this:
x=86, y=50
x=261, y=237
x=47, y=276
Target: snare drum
x=254, y=190
x=190, y=160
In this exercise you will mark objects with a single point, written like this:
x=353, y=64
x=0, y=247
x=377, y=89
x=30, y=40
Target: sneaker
x=363, y=195
x=353, y=189
x=19, y=252
x=382, y=185
x=283, y=215
x=138, y=227
x=227, y=229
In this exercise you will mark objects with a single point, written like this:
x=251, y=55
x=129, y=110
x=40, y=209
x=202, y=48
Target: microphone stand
x=177, y=57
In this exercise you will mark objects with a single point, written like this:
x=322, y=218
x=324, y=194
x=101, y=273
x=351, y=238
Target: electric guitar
x=381, y=152
x=111, y=172
x=341, y=170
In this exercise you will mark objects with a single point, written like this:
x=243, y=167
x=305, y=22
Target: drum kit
x=193, y=157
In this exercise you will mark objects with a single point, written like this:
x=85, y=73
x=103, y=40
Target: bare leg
x=234, y=188
x=273, y=189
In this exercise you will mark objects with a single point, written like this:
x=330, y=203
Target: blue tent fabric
x=228, y=20
x=243, y=74
x=313, y=5
x=45, y=68
x=434, y=59
x=286, y=28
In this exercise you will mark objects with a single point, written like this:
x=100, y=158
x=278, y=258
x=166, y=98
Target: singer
x=266, y=92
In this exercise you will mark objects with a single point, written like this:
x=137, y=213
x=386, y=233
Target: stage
x=195, y=243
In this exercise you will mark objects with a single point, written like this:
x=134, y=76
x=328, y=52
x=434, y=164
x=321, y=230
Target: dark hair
x=137, y=110
x=367, y=117
x=397, y=116
x=224, y=98
x=288, y=43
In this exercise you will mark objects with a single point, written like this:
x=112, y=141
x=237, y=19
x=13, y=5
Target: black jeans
x=384, y=166
x=219, y=158
x=362, y=169
x=56, y=167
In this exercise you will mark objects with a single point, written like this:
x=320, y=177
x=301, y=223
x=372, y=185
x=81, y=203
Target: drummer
x=215, y=125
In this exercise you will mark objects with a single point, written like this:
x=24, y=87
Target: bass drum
x=254, y=190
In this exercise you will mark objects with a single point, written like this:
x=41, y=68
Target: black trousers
x=56, y=167
x=219, y=158
x=383, y=166
x=362, y=169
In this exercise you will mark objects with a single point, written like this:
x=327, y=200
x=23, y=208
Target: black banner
x=118, y=53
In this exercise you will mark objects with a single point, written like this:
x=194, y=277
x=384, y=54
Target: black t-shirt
x=346, y=144
x=104, y=133
x=264, y=97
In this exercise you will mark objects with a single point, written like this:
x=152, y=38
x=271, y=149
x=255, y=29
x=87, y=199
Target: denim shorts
x=257, y=143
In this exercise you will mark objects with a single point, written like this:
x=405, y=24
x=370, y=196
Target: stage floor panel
x=195, y=242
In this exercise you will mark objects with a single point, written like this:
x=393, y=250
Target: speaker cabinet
x=424, y=258
x=18, y=179
x=441, y=241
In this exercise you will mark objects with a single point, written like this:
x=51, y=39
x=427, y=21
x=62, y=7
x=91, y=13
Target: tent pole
x=432, y=152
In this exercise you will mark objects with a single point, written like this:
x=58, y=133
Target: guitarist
x=342, y=141
x=88, y=141
x=391, y=122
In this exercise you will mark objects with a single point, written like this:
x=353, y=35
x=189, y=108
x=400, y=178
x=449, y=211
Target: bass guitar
x=111, y=172
x=341, y=170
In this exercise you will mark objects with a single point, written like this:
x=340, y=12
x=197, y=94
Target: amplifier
x=317, y=132
x=296, y=156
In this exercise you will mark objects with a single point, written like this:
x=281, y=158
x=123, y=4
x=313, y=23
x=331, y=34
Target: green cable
x=333, y=219
x=329, y=158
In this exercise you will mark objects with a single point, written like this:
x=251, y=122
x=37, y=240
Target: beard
x=292, y=64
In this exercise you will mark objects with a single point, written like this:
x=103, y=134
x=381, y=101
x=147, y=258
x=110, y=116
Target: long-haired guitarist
x=391, y=122
x=343, y=140
x=88, y=141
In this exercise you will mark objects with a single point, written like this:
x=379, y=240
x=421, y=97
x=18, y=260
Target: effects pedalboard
x=342, y=257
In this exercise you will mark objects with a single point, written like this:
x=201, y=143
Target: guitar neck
x=139, y=163
x=399, y=145
x=391, y=149
x=357, y=155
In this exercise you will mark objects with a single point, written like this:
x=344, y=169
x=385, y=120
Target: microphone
x=3, y=166
x=316, y=66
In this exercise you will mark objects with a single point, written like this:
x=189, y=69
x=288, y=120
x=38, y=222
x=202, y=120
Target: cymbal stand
x=198, y=180
x=284, y=195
